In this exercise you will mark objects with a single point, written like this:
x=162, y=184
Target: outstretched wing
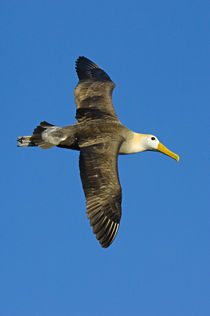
x=93, y=93
x=99, y=175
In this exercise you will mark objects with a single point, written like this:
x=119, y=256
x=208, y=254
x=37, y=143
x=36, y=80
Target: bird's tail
x=38, y=138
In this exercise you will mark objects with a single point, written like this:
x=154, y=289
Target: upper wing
x=99, y=175
x=93, y=93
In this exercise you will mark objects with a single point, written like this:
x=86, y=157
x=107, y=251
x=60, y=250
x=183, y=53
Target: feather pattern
x=93, y=93
x=99, y=175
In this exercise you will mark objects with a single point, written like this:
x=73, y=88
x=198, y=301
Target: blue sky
x=51, y=264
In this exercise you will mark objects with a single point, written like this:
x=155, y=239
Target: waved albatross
x=100, y=138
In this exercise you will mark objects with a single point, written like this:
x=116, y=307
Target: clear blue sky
x=51, y=264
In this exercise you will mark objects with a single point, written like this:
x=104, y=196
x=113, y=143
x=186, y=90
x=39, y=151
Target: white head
x=151, y=142
x=143, y=142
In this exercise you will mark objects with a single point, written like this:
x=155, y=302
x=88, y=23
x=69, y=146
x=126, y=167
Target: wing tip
x=105, y=243
x=83, y=67
x=104, y=228
x=87, y=69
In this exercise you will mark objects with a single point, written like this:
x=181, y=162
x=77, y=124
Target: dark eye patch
x=152, y=138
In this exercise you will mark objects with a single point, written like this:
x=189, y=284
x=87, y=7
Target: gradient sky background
x=50, y=262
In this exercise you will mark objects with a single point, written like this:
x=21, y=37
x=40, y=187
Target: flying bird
x=100, y=138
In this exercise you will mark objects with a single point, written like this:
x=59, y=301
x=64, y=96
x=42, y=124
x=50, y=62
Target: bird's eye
x=152, y=138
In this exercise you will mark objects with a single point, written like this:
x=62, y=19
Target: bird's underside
x=98, y=135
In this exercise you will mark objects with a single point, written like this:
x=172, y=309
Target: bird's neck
x=133, y=144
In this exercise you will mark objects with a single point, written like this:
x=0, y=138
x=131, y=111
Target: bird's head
x=151, y=142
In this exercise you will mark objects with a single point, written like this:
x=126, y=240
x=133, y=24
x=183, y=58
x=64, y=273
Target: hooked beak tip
x=177, y=158
x=167, y=152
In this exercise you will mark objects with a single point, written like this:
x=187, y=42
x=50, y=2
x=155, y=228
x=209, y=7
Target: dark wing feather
x=93, y=93
x=86, y=69
x=99, y=175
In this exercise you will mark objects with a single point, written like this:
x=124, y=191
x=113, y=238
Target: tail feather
x=25, y=141
x=37, y=138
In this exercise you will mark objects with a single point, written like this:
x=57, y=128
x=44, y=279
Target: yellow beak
x=167, y=152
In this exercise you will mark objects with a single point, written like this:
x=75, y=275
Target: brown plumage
x=99, y=147
x=100, y=137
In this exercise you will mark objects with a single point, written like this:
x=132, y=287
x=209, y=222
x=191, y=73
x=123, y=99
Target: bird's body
x=100, y=137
